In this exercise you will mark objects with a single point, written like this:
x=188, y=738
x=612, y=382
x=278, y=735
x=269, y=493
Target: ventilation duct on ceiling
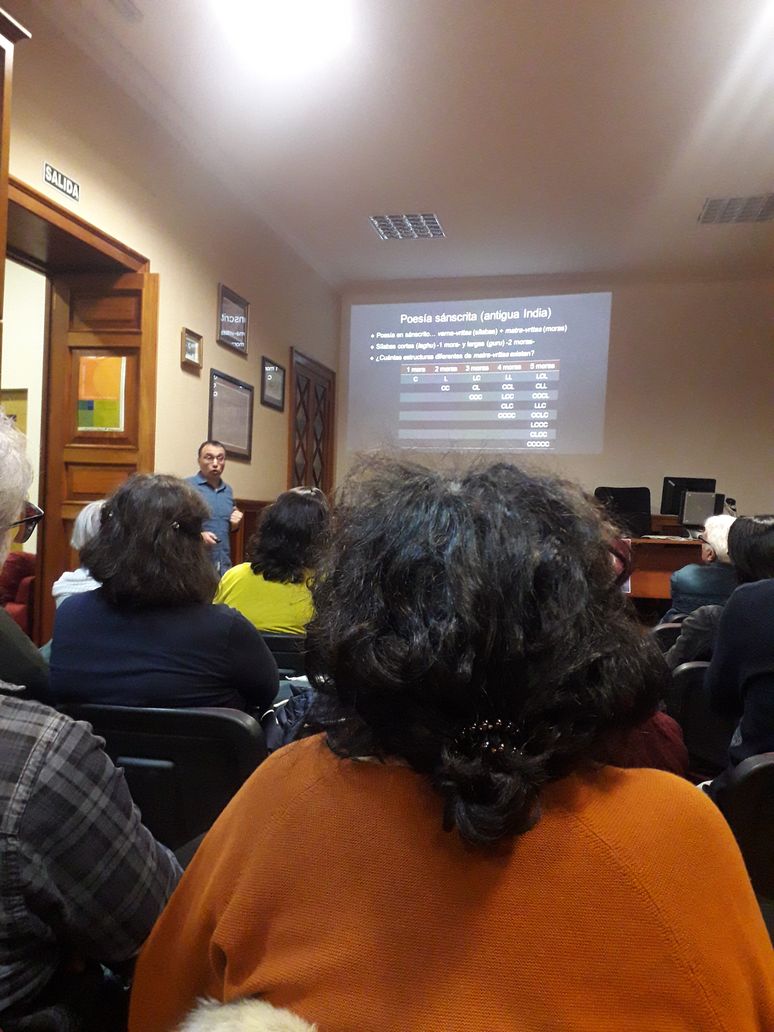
x=407, y=227
x=738, y=209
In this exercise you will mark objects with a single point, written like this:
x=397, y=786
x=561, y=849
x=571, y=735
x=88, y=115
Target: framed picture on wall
x=272, y=384
x=233, y=314
x=191, y=348
x=231, y=414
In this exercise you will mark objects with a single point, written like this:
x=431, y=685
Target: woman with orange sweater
x=454, y=852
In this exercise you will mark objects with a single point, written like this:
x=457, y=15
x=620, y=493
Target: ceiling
x=571, y=137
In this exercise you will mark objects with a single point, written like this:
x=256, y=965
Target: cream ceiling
x=549, y=136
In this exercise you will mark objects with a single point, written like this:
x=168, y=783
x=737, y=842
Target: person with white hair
x=20, y=662
x=710, y=582
x=85, y=527
x=83, y=880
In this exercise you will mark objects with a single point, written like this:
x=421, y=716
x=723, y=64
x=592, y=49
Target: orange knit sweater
x=330, y=888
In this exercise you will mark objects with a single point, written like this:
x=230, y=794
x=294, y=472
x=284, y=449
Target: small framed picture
x=231, y=414
x=191, y=346
x=272, y=384
x=233, y=314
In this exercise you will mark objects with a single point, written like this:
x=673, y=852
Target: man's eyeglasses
x=32, y=517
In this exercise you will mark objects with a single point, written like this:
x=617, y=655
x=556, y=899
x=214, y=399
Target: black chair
x=182, y=766
x=747, y=802
x=288, y=651
x=629, y=506
x=666, y=634
x=707, y=736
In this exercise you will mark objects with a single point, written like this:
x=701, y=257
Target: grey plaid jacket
x=79, y=874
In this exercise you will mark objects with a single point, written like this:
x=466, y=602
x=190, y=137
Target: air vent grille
x=738, y=209
x=407, y=227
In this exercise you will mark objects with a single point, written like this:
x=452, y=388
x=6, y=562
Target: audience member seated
x=741, y=674
x=710, y=582
x=20, y=662
x=473, y=655
x=271, y=590
x=85, y=527
x=748, y=552
x=82, y=879
x=149, y=636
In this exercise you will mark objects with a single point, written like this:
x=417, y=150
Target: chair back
x=666, y=634
x=629, y=505
x=182, y=766
x=747, y=802
x=707, y=736
x=288, y=651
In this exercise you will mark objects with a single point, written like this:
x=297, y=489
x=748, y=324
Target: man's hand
x=235, y=518
x=209, y=538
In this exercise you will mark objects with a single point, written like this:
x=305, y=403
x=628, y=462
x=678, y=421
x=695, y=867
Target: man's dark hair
x=289, y=532
x=204, y=444
x=149, y=551
x=751, y=547
x=445, y=604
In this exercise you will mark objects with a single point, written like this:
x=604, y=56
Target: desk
x=654, y=561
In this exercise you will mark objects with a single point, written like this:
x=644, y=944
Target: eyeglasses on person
x=31, y=518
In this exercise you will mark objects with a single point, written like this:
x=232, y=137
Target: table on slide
x=654, y=561
x=474, y=404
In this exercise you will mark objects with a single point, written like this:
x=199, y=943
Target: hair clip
x=489, y=736
x=175, y=525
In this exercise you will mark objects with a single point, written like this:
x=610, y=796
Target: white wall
x=690, y=380
x=141, y=187
x=23, y=339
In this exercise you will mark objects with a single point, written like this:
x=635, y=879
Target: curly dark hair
x=149, y=550
x=751, y=547
x=448, y=603
x=289, y=533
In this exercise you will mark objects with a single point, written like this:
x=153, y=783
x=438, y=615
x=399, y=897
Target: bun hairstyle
x=473, y=626
x=148, y=551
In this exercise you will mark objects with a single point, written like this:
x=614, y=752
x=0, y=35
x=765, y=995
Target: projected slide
x=521, y=374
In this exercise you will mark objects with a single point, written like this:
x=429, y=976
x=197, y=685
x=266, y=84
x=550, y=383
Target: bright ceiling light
x=285, y=38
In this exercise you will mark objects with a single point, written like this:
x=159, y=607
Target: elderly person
x=272, y=589
x=483, y=866
x=749, y=549
x=149, y=636
x=710, y=582
x=85, y=527
x=21, y=663
x=82, y=879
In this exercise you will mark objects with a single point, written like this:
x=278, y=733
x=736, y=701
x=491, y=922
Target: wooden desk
x=653, y=562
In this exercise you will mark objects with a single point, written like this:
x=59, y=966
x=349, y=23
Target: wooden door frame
x=298, y=359
x=68, y=226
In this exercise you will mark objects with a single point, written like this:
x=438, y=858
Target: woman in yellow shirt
x=271, y=590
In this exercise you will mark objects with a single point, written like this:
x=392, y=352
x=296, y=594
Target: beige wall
x=140, y=186
x=690, y=380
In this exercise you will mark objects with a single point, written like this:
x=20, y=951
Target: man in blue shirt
x=224, y=515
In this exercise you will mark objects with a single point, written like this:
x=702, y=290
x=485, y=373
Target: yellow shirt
x=269, y=605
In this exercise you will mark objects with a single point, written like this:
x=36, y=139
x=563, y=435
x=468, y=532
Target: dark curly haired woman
x=454, y=852
x=149, y=636
x=272, y=589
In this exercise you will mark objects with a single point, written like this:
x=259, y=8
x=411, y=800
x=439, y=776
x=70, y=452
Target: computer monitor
x=675, y=487
x=698, y=506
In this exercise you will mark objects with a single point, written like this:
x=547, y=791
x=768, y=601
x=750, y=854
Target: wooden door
x=313, y=393
x=99, y=405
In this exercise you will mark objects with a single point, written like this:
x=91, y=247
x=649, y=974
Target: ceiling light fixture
x=284, y=38
x=407, y=227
